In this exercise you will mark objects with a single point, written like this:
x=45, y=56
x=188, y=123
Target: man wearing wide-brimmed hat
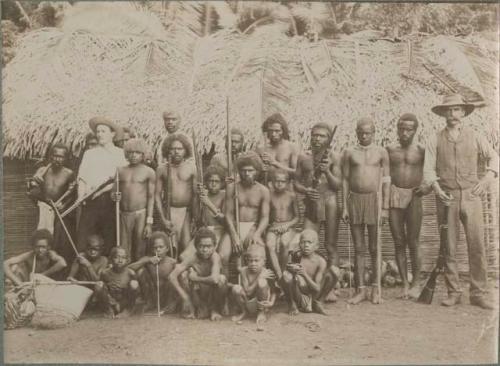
x=98, y=165
x=451, y=168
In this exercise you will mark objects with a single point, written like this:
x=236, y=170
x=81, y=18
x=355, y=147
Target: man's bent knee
x=134, y=285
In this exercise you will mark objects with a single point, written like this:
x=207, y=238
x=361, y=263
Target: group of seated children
x=196, y=284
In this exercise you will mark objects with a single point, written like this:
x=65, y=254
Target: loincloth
x=400, y=197
x=316, y=210
x=245, y=228
x=293, y=243
x=362, y=208
x=178, y=217
x=46, y=217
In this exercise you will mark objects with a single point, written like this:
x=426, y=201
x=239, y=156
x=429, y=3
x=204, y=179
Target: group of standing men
x=253, y=207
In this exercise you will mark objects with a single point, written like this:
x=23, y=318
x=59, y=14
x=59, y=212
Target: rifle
x=199, y=175
x=317, y=159
x=86, y=197
x=59, y=216
x=232, y=173
x=428, y=291
x=168, y=202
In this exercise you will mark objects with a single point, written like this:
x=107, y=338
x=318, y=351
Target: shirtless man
x=303, y=280
x=364, y=167
x=253, y=201
x=405, y=215
x=137, y=189
x=284, y=215
x=203, y=288
x=179, y=187
x=40, y=259
x=89, y=264
x=319, y=177
x=50, y=182
x=172, y=124
x=278, y=152
x=152, y=273
x=237, y=144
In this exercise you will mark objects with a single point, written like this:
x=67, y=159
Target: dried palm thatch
x=121, y=62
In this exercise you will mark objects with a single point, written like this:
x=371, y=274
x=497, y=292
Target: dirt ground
x=395, y=332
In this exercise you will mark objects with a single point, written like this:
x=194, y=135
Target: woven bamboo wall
x=20, y=217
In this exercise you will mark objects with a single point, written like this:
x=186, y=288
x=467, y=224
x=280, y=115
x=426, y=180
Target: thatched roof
x=127, y=66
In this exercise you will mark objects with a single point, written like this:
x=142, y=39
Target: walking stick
x=64, y=226
x=117, y=208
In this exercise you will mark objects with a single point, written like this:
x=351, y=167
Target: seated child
x=303, y=280
x=40, y=260
x=152, y=273
x=284, y=215
x=254, y=295
x=118, y=289
x=202, y=288
x=88, y=265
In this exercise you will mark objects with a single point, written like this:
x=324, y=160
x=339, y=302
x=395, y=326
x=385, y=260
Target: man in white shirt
x=98, y=165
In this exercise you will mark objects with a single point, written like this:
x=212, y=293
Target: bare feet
x=239, y=317
x=124, y=314
x=359, y=297
x=404, y=295
x=109, y=313
x=376, y=296
x=317, y=307
x=215, y=316
x=292, y=309
x=331, y=297
x=414, y=292
x=261, y=319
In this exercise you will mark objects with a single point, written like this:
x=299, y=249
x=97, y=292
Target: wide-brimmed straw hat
x=450, y=101
x=96, y=121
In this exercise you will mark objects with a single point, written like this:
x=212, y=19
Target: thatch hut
x=128, y=67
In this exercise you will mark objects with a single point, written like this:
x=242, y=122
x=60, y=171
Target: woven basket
x=59, y=306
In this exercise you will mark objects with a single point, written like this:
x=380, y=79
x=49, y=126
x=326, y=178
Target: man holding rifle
x=99, y=166
x=319, y=177
x=451, y=168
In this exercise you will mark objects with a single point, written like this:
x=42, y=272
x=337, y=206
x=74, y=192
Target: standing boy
x=118, y=289
x=284, y=215
x=178, y=187
x=405, y=215
x=303, y=280
x=153, y=271
x=41, y=259
x=254, y=295
x=202, y=287
x=364, y=167
x=137, y=188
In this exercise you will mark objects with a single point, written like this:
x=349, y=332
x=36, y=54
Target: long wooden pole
x=64, y=226
x=117, y=208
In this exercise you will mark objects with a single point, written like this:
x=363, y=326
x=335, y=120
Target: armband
x=386, y=179
x=149, y=220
